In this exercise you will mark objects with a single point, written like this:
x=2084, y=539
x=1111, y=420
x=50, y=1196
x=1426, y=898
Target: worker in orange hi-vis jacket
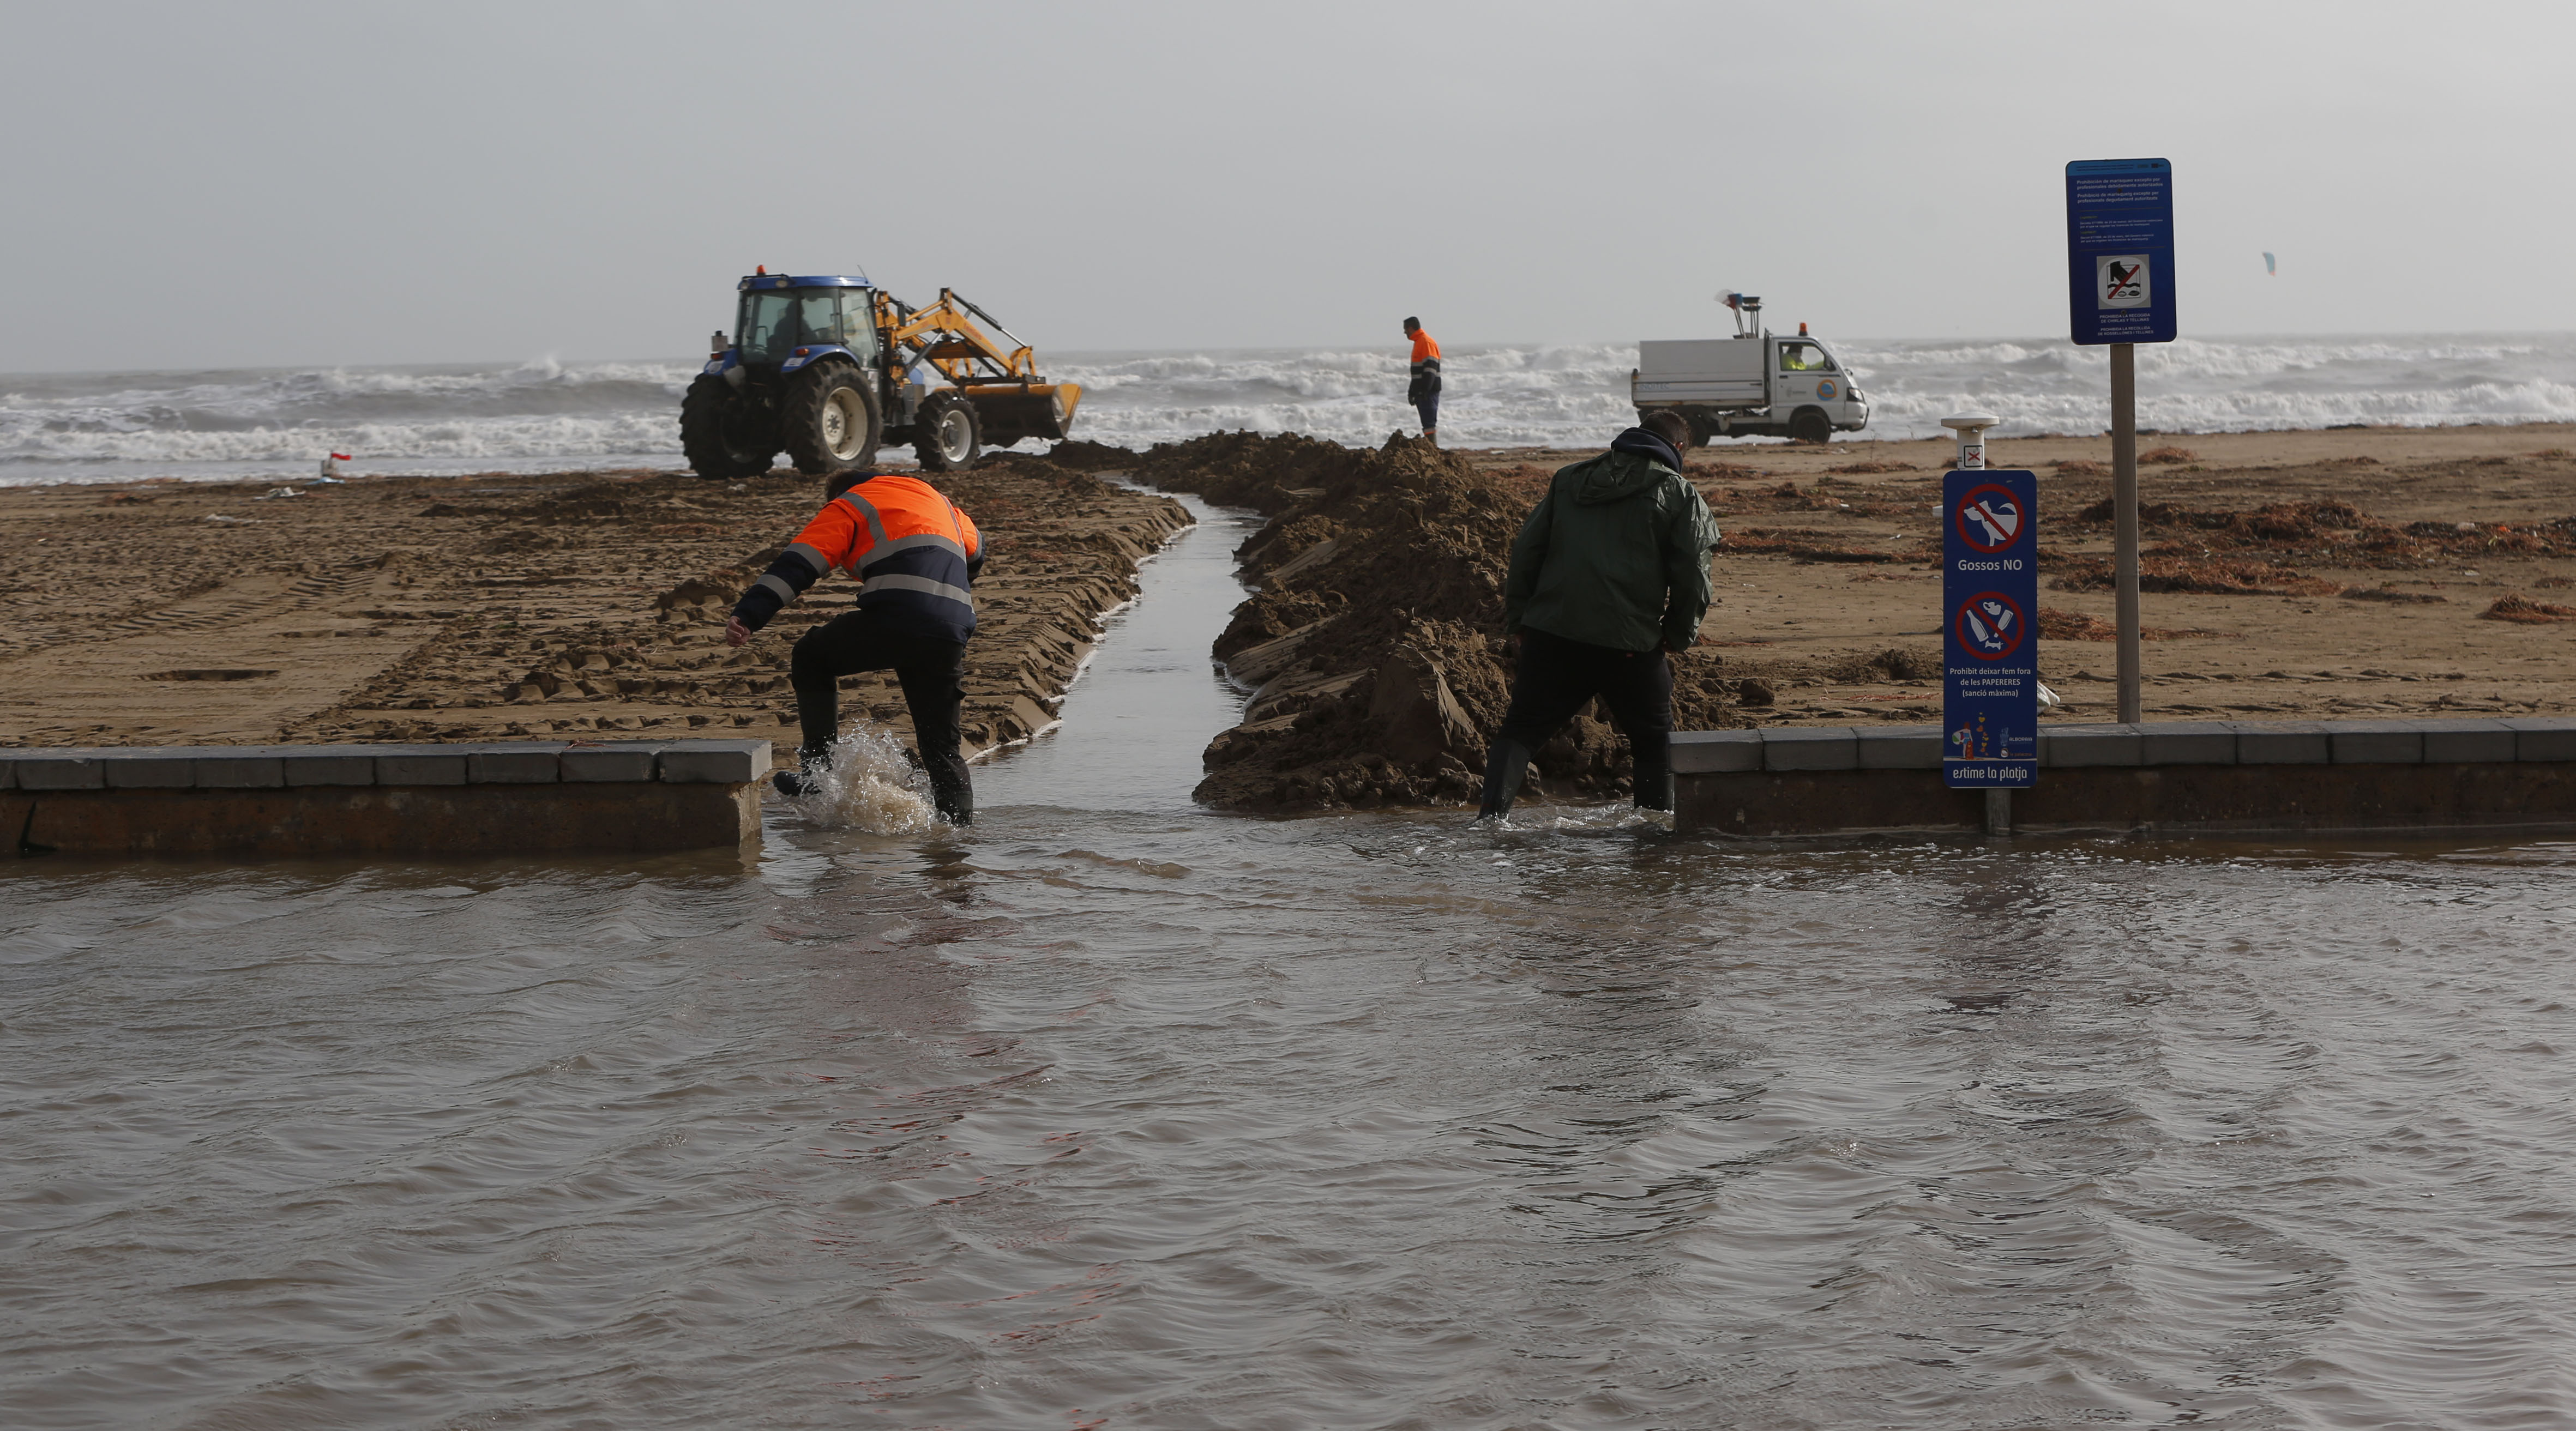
x=1424, y=391
x=915, y=555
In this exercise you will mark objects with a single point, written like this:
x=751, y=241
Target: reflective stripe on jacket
x=913, y=551
x=1426, y=367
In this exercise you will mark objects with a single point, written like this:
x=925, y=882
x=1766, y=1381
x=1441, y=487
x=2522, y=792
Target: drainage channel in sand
x=1136, y=719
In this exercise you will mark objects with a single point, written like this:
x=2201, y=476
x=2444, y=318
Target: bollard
x=1971, y=427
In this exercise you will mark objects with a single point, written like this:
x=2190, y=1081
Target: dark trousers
x=1557, y=676
x=932, y=671
x=1429, y=406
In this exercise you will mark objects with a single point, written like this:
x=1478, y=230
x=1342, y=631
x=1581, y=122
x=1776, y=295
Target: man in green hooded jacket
x=1609, y=576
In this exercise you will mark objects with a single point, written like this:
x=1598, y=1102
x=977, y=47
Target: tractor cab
x=783, y=323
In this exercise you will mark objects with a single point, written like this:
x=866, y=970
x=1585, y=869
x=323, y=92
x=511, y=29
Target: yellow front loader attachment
x=1002, y=385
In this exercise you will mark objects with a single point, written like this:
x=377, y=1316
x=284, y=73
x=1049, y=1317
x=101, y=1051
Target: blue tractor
x=827, y=369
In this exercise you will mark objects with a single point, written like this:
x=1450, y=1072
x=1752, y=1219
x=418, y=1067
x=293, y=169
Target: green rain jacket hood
x=1616, y=554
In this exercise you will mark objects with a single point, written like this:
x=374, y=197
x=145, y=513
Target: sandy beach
x=415, y=608
x=480, y=608
x=2333, y=628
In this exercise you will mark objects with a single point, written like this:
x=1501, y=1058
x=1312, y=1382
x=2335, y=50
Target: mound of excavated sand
x=1373, y=643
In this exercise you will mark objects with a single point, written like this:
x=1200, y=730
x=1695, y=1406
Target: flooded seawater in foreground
x=1114, y=1112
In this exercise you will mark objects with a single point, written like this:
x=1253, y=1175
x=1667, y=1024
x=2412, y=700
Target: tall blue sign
x=2120, y=250
x=1990, y=647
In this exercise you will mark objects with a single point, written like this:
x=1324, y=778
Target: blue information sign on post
x=2120, y=250
x=1990, y=649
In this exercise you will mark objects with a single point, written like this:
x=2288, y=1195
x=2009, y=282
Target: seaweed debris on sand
x=1372, y=644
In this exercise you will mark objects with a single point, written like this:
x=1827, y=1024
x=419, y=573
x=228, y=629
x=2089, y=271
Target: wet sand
x=1823, y=582
x=2367, y=572
x=479, y=608
x=505, y=605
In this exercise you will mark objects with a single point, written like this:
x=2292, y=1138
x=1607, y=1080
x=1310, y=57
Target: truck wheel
x=1810, y=426
x=725, y=435
x=829, y=420
x=947, y=436
x=1702, y=428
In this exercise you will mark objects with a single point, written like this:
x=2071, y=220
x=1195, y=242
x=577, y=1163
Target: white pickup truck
x=1750, y=385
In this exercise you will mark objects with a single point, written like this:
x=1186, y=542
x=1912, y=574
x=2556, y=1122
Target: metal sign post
x=2129, y=659
x=1990, y=610
x=2120, y=289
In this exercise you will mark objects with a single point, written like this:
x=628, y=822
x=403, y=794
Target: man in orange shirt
x=1424, y=391
x=915, y=555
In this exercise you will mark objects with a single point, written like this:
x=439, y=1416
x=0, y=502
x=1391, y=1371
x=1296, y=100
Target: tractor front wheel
x=829, y=420
x=725, y=435
x=948, y=435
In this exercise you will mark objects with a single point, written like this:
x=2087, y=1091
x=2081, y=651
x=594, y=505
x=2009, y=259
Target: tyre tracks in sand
x=500, y=606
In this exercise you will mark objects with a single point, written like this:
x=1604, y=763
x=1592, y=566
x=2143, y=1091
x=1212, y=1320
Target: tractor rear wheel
x=1810, y=426
x=725, y=435
x=948, y=435
x=829, y=420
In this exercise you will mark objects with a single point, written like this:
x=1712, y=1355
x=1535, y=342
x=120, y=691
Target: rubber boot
x=1652, y=764
x=1504, y=766
x=807, y=777
x=956, y=803
x=1655, y=792
x=952, y=790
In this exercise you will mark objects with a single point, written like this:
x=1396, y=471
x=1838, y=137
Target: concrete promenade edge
x=322, y=800
x=2157, y=777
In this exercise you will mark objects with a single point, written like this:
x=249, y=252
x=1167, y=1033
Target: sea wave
x=548, y=413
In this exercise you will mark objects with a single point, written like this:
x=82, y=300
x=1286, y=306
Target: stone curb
x=2543, y=738
x=2364, y=742
x=2071, y=745
x=272, y=767
x=1811, y=747
x=1710, y=752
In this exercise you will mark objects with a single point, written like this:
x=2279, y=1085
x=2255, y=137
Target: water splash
x=871, y=786
x=1538, y=816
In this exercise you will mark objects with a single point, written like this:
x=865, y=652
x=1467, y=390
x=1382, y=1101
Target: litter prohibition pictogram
x=1990, y=626
x=1990, y=518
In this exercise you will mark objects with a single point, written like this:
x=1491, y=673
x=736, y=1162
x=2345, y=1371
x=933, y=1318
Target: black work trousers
x=931, y=670
x=1557, y=676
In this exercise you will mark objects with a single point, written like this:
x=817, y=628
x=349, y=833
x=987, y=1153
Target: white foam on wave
x=254, y=449
x=1492, y=397
x=2210, y=385
x=551, y=414
x=260, y=423
x=1573, y=395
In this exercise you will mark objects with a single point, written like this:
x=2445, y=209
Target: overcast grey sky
x=266, y=184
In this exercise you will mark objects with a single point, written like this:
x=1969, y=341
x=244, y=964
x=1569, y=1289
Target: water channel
x=1114, y=1112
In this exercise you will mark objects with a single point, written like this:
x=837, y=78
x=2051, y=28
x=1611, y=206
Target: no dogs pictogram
x=1990, y=517
x=1989, y=626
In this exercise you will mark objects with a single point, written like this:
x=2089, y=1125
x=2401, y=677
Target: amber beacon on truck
x=828, y=368
x=1755, y=384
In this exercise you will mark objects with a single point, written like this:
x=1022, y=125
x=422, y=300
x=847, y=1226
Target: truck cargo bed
x=1723, y=371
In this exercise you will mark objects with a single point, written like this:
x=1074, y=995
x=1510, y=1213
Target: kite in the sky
x=2268, y=266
